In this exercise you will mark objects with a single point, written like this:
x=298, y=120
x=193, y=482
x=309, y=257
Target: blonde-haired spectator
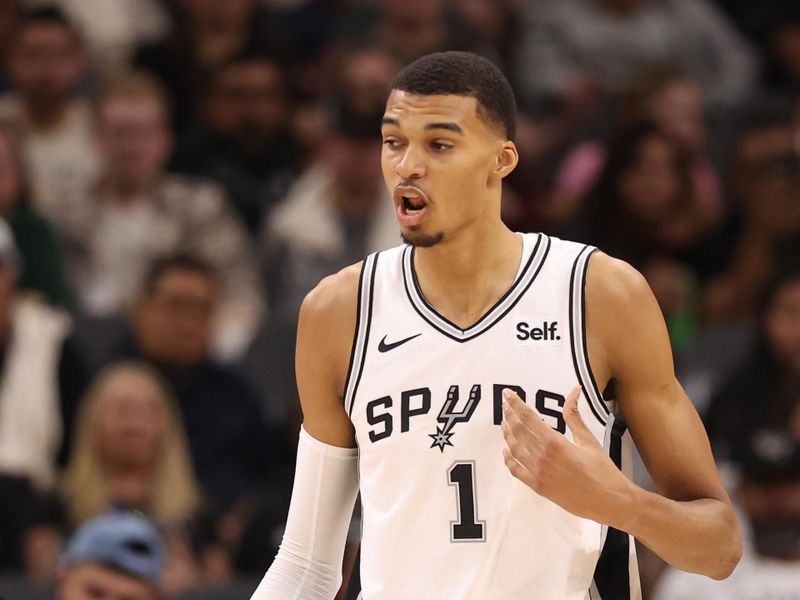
x=130, y=449
x=129, y=452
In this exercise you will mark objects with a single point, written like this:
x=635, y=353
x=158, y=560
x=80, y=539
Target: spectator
x=769, y=495
x=42, y=269
x=667, y=97
x=764, y=392
x=137, y=213
x=206, y=35
x=114, y=556
x=243, y=140
x=46, y=61
x=114, y=28
x=38, y=371
x=408, y=29
x=573, y=51
x=764, y=180
x=234, y=454
x=129, y=452
x=337, y=211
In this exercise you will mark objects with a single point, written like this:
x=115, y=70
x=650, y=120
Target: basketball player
x=478, y=387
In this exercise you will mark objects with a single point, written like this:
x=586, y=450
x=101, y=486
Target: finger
x=530, y=418
x=522, y=443
x=525, y=431
x=517, y=469
x=572, y=416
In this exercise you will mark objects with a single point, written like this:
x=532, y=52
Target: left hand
x=579, y=477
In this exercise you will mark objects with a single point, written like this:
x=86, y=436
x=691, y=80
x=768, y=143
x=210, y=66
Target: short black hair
x=45, y=15
x=176, y=262
x=463, y=74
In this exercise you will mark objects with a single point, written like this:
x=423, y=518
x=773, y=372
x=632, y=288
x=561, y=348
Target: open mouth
x=412, y=204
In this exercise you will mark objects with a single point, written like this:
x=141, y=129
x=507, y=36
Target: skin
x=173, y=322
x=462, y=276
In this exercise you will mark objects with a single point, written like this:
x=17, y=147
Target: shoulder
x=614, y=285
x=334, y=300
x=624, y=320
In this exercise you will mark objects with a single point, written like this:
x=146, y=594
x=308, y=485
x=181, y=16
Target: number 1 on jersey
x=467, y=528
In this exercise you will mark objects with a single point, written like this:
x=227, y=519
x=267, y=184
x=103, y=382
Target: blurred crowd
x=175, y=176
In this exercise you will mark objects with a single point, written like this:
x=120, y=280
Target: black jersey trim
x=588, y=365
x=366, y=294
x=494, y=315
x=573, y=339
x=356, y=333
x=612, y=572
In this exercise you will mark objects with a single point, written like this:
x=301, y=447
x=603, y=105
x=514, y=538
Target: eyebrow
x=454, y=127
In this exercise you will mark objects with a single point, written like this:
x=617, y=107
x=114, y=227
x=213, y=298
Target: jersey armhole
x=358, y=353
x=577, y=330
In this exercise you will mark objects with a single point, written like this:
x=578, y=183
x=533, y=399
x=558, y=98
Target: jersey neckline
x=527, y=273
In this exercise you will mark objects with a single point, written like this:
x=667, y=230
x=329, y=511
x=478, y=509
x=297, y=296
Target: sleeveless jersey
x=442, y=515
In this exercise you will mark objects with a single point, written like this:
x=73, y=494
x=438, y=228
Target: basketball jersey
x=442, y=517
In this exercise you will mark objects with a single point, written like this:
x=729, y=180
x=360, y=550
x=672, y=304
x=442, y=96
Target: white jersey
x=442, y=515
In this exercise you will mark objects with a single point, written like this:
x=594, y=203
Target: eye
x=391, y=143
x=441, y=146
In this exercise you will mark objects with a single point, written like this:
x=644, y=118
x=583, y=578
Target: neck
x=130, y=485
x=125, y=191
x=43, y=116
x=465, y=276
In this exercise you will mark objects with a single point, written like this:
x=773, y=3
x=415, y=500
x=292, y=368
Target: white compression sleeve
x=308, y=565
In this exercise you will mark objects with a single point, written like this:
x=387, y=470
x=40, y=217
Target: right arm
x=309, y=563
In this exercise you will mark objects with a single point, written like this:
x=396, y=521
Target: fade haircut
x=464, y=74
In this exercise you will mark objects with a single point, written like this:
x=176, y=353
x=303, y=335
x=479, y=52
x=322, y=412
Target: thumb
x=574, y=421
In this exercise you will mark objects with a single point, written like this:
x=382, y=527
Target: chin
x=422, y=240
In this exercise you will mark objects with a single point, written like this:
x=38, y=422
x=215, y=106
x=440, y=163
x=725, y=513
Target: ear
x=506, y=160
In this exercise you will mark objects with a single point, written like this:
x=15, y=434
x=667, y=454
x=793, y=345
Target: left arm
x=691, y=525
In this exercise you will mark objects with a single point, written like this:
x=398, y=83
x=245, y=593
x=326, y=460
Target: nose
x=411, y=165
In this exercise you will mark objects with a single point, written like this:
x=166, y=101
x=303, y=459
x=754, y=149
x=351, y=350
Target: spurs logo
x=449, y=418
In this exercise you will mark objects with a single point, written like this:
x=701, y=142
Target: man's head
x=769, y=492
x=118, y=556
x=247, y=102
x=133, y=128
x=46, y=58
x=765, y=176
x=173, y=317
x=448, y=135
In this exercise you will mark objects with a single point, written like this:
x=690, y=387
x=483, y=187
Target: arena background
x=175, y=175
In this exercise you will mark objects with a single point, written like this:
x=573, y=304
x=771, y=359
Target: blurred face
x=366, y=77
x=414, y=11
x=356, y=163
x=678, y=110
x=132, y=421
x=174, y=322
x=782, y=325
x=45, y=62
x=95, y=582
x=248, y=103
x=220, y=13
x=134, y=136
x=9, y=177
x=439, y=162
x=651, y=185
x=768, y=168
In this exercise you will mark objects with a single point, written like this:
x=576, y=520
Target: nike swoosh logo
x=384, y=347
